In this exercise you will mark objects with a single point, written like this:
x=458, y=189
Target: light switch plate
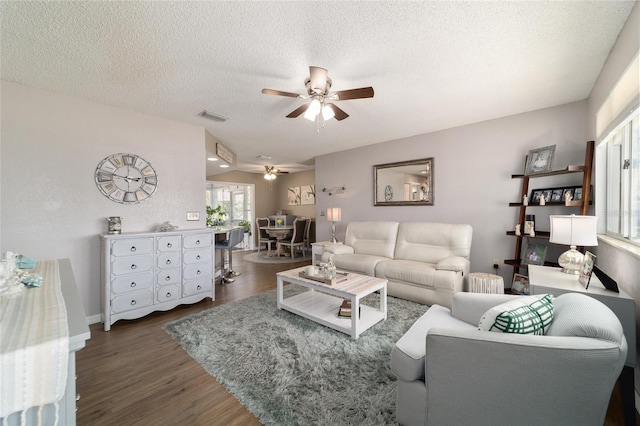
x=193, y=215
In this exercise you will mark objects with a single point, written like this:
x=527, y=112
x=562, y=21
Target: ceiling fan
x=318, y=84
x=270, y=172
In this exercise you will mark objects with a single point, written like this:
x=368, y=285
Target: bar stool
x=235, y=237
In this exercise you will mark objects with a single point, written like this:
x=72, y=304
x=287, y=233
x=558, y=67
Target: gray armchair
x=451, y=373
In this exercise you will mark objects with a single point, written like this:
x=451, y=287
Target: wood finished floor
x=136, y=374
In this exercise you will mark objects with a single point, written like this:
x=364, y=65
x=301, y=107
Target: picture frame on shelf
x=587, y=269
x=556, y=195
x=577, y=194
x=540, y=160
x=520, y=284
x=529, y=223
x=569, y=191
x=535, y=196
x=535, y=254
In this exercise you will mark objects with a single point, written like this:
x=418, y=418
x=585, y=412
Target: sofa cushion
x=408, y=354
x=432, y=242
x=372, y=238
x=524, y=315
x=406, y=271
x=358, y=263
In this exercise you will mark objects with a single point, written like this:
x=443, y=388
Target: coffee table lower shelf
x=321, y=302
x=323, y=309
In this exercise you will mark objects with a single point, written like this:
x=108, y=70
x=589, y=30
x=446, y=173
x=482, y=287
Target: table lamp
x=334, y=214
x=573, y=231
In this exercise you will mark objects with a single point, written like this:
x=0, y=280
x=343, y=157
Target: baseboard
x=94, y=319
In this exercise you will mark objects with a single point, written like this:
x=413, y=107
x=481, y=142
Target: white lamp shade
x=334, y=214
x=327, y=113
x=573, y=230
x=313, y=110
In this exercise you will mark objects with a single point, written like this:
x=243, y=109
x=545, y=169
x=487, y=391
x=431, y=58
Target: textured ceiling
x=433, y=65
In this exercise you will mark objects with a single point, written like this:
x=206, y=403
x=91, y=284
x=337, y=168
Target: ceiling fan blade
x=363, y=92
x=296, y=112
x=280, y=93
x=339, y=114
x=318, y=79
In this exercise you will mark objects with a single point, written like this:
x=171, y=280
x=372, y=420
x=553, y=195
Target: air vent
x=213, y=116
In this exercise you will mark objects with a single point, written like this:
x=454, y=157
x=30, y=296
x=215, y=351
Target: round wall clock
x=388, y=193
x=126, y=178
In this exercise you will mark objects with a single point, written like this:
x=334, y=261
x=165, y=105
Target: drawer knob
x=133, y=284
x=197, y=242
x=198, y=272
x=134, y=266
x=199, y=287
x=168, y=295
x=78, y=397
x=168, y=262
x=198, y=257
x=169, y=245
x=133, y=248
x=168, y=278
x=133, y=302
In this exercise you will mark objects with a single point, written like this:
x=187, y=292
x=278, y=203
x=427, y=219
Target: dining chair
x=307, y=241
x=263, y=236
x=297, y=238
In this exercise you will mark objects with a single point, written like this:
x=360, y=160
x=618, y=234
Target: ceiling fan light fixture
x=270, y=176
x=327, y=113
x=313, y=110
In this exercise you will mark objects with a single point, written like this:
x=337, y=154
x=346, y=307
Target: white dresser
x=147, y=272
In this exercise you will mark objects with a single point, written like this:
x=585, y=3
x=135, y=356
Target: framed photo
x=547, y=195
x=520, y=284
x=540, y=160
x=568, y=192
x=535, y=254
x=577, y=194
x=587, y=268
x=529, y=223
x=293, y=196
x=535, y=196
x=308, y=194
x=556, y=195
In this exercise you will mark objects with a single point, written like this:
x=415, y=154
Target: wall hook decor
x=334, y=190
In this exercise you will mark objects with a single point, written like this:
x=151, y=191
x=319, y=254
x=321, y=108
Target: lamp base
x=571, y=261
x=333, y=233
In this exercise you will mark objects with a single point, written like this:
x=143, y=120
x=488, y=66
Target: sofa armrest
x=339, y=249
x=517, y=376
x=454, y=263
x=469, y=307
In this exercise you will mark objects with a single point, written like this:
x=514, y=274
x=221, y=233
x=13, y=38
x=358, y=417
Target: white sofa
x=451, y=373
x=422, y=261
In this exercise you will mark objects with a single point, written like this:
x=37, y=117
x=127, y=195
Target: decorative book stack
x=345, y=309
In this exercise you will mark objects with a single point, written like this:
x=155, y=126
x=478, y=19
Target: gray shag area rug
x=288, y=370
x=262, y=258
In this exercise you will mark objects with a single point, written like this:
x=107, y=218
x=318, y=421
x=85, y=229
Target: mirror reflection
x=404, y=183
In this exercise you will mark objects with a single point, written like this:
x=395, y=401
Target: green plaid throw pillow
x=524, y=315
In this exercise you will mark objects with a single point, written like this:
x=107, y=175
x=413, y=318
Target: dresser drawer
x=167, y=292
x=197, y=240
x=168, y=243
x=134, y=282
x=132, y=246
x=131, y=301
x=198, y=286
x=131, y=264
x=169, y=260
x=169, y=276
x=197, y=270
x=197, y=255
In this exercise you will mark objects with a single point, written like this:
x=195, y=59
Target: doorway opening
x=238, y=205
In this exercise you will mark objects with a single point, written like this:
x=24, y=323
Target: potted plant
x=215, y=217
x=247, y=226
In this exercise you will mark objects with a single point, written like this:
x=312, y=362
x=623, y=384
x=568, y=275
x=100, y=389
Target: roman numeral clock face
x=126, y=178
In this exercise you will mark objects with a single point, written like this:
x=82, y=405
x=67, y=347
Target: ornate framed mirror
x=405, y=183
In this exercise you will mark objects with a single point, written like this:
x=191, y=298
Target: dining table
x=279, y=233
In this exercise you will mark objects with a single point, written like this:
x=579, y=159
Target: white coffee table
x=322, y=302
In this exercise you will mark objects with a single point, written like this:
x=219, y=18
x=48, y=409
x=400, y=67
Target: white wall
x=51, y=207
x=472, y=177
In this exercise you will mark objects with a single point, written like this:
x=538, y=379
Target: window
x=622, y=148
